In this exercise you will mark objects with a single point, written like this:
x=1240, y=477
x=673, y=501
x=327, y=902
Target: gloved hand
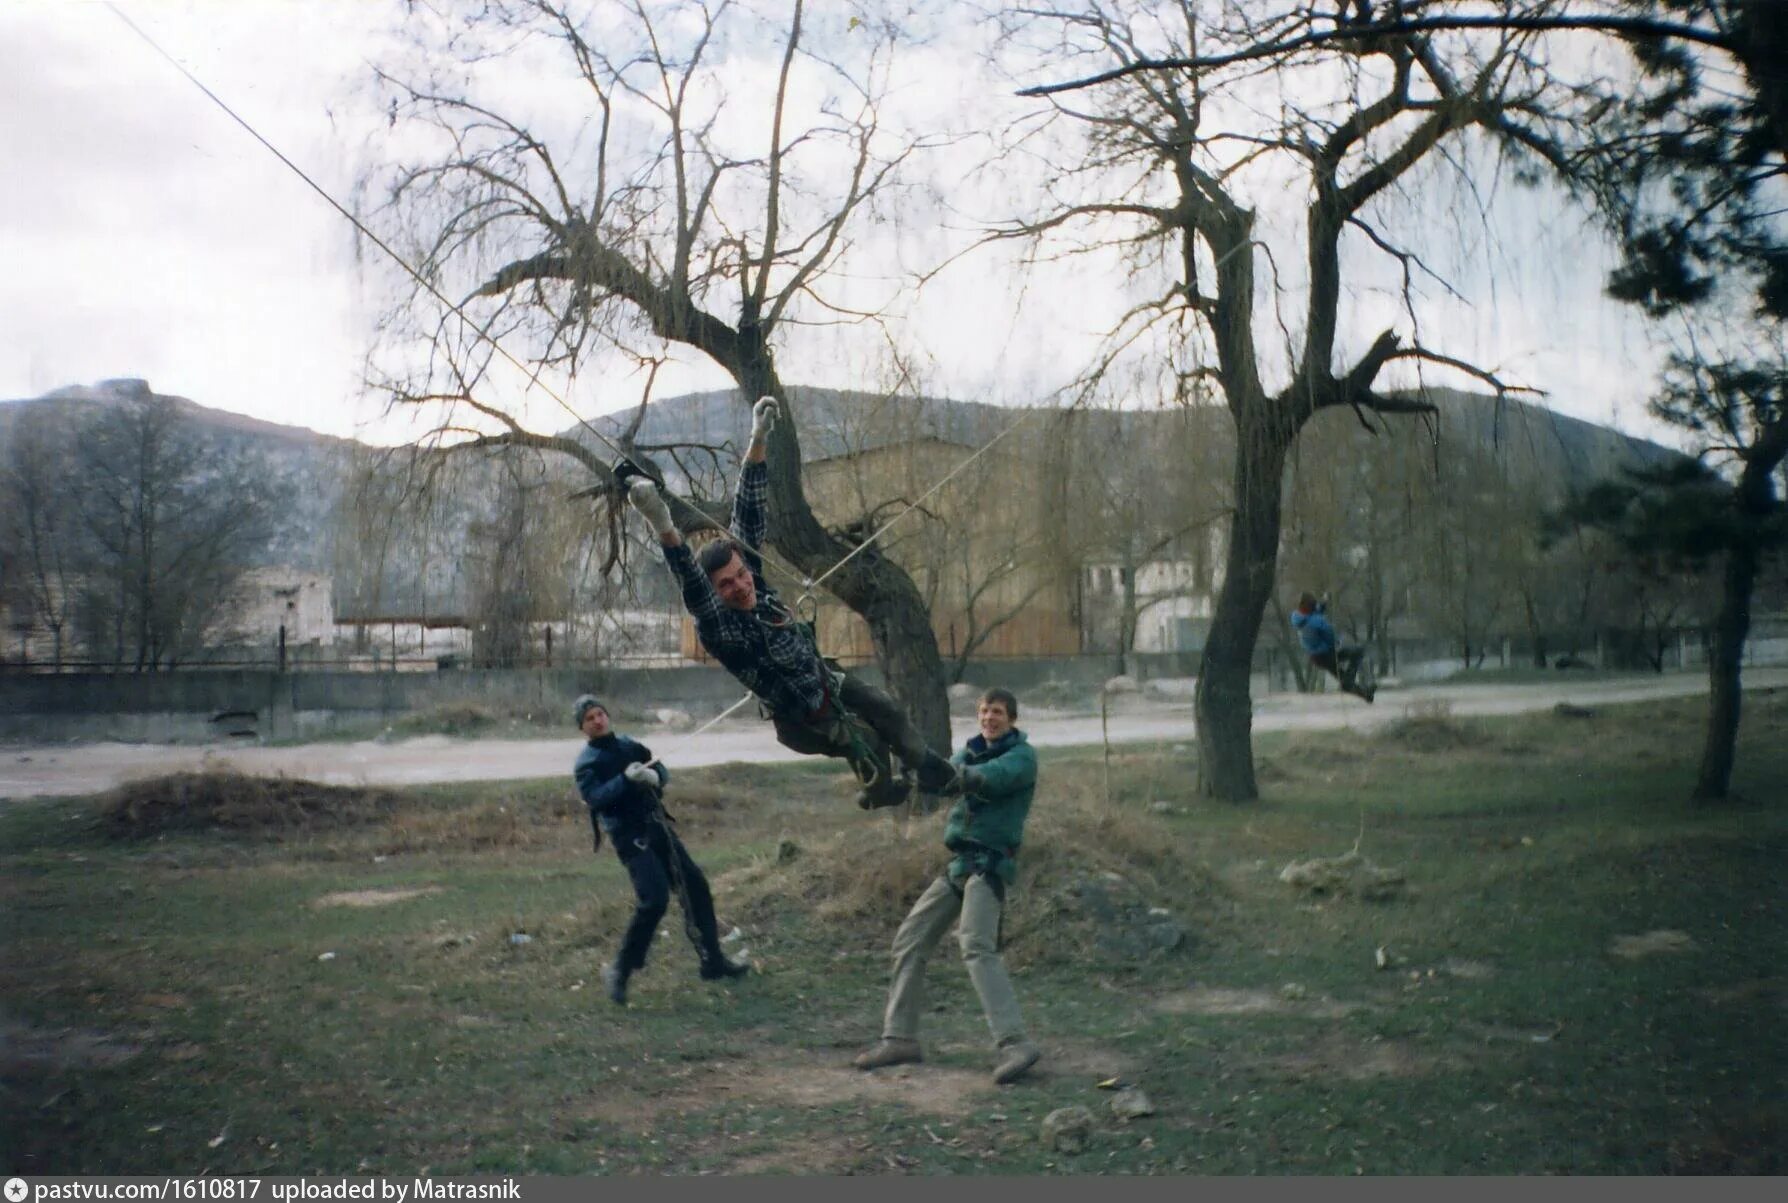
x=641, y=775
x=968, y=779
x=763, y=418
x=644, y=496
x=596, y=826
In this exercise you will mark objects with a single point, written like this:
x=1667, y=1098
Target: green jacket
x=985, y=828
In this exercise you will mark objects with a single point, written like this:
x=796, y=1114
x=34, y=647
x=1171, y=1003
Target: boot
x=889, y=1050
x=891, y=793
x=1016, y=1058
x=717, y=968
x=614, y=980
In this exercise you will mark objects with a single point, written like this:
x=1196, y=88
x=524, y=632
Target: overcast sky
x=142, y=233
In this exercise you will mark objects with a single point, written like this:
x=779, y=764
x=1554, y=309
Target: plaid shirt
x=768, y=649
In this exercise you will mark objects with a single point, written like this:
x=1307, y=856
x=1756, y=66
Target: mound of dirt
x=230, y=801
x=1431, y=727
x=1116, y=886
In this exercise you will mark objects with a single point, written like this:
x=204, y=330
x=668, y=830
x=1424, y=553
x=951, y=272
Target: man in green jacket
x=998, y=776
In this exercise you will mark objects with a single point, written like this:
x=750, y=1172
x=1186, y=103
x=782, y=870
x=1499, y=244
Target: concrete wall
x=186, y=706
x=254, y=704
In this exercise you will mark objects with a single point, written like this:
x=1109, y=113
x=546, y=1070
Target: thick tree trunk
x=1723, y=664
x=1755, y=498
x=1224, y=710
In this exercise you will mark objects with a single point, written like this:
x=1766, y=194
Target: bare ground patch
x=1651, y=943
x=1230, y=1000
x=34, y=1051
x=1331, y=1055
x=825, y=1079
x=1762, y=991
x=365, y=898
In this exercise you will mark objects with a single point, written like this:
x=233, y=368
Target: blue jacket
x=1314, y=631
x=619, y=805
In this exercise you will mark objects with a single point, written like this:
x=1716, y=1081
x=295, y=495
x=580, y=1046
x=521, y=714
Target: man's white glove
x=644, y=496
x=642, y=775
x=763, y=418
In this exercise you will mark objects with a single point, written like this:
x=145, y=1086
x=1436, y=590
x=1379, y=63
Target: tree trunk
x=1223, y=708
x=1755, y=498
x=1723, y=663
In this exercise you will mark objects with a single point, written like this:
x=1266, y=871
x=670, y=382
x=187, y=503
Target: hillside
x=835, y=423
x=313, y=464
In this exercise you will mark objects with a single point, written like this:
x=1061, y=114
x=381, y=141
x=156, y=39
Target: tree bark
x=1225, y=715
x=1725, y=693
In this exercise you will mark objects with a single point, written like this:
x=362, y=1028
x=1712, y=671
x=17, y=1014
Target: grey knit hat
x=583, y=706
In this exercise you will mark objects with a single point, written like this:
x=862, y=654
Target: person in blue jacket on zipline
x=1323, y=646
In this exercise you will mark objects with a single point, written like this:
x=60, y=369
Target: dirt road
x=63, y=770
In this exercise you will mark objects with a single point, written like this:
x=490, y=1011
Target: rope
x=483, y=332
x=673, y=848
x=913, y=505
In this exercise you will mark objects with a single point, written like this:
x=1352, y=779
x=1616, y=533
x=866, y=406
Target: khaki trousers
x=978, y=936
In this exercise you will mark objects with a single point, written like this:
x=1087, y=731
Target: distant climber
x=1324, y=648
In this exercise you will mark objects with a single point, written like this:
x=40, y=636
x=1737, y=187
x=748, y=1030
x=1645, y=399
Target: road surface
x=68, y=769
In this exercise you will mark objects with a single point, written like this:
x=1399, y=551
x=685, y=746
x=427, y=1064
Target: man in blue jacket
x=621, y=782
x=817, y=708
x=1323, y=646
x=984, y=830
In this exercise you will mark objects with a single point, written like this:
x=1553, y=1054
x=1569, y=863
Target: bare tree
x=173, y=518
x=1341, y=130
x=38, y=525
x=691, y=203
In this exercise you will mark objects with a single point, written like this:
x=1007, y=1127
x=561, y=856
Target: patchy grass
x=1582, y=976
x=1430, y=727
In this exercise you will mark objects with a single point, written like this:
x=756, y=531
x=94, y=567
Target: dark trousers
x=881, y=725
x=1342, y=663
x=648, y=858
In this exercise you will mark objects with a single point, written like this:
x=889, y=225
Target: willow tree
x=1179, y=167
x=618, y=183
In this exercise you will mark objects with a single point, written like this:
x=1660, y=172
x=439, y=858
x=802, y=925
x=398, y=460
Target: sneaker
x=614, y=979
x=720, y=969
x=889, y=1050
x=1016, y=1059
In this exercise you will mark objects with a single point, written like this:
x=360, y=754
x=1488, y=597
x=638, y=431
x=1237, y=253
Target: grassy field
x=1581, y=973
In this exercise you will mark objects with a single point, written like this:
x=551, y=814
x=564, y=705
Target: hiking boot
x=1016, y=1059
x=718, y=969
x=614, y=980
x=892, y=793
x=889, y=1050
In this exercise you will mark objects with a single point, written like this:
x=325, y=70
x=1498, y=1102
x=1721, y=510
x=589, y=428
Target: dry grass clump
x=1431, y=727
x=862, y=880
x=485, y=827
x=223, y=799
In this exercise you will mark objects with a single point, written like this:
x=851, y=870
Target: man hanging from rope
x=1323, y=646
x=621, y=783
x=817, y=708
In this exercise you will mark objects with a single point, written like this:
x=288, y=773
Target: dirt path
x=63, y=770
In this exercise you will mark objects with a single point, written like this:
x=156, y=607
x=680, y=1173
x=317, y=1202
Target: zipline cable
x=483, y=332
